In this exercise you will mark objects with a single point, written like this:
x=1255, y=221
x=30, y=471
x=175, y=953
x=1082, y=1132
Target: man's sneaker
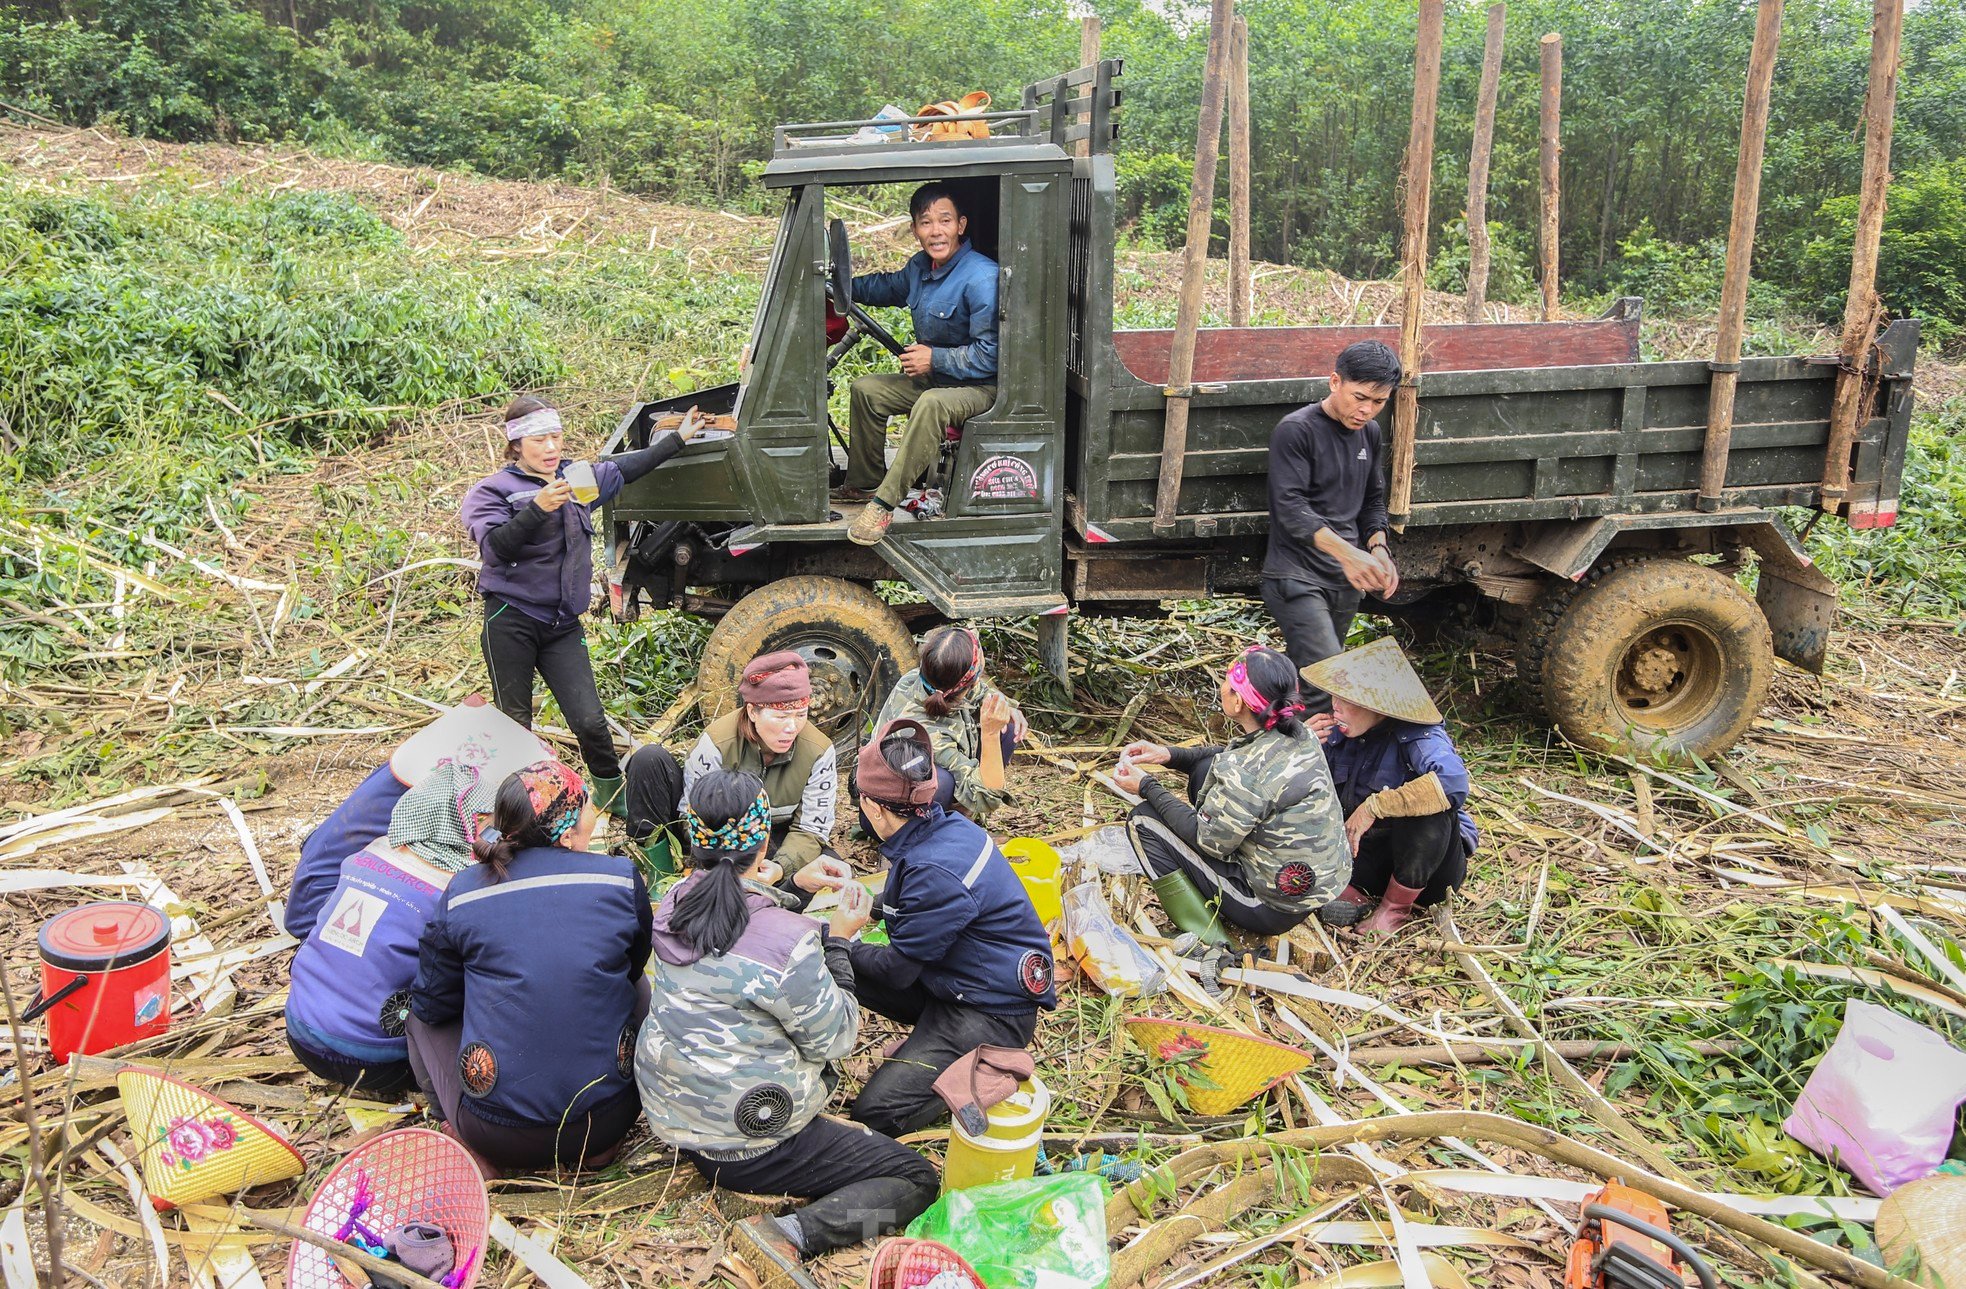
x=770, y=1254
x=870, y=525
x=852, y=496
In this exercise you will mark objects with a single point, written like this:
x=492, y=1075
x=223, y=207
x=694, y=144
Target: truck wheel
x=1658, y=656
x=1532, y=651
x=855, y=644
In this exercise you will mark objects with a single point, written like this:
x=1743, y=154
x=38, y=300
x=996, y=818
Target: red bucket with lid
x=105, y=977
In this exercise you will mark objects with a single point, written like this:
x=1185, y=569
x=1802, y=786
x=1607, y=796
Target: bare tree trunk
x=1194, y=270
x=1418, y=181
x=1484, y=148
x=1551, y=167
x=1863, y=311
x=1740, y=256
x=1240, y=301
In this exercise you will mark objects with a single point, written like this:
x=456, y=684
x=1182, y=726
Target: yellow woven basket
x=193, y=1146
x=1242, y=1066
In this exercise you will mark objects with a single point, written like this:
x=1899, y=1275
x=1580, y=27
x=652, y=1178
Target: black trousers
x=1222, y=884
x=1424, y=853
x=1314, y=621
x=900, y=1097
x=653, y=790
x=369, y=1079
x=516, y=645
x=861, y=1184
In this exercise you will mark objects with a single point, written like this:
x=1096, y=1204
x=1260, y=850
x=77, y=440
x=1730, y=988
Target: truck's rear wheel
x=855, y=644
x=1658, y=656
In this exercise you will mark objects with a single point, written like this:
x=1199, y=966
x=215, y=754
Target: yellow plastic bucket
x=1008, y=1148
x=1037, y=866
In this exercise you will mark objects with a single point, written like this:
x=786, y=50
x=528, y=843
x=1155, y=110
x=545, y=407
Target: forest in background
x=678, y=100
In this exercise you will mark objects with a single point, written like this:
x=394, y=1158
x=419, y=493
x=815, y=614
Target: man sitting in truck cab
x=947, y=376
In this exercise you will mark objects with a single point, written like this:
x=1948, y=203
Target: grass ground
x=198, y=586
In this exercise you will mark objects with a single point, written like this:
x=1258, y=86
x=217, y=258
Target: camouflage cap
x=874, y=777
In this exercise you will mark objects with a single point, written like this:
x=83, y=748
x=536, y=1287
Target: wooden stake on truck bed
x=1194, y=269
x=1088, y=57
x=1552, y=167
x=1418, y=181
x=1478, y=159
x=1726, y=363
x=1240, y=299
x=1863, y=311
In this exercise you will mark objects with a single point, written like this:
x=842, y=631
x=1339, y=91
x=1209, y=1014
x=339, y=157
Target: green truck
x=1554, y=487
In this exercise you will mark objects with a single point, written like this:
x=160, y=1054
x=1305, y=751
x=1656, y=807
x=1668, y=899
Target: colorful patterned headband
x=1246, y=690
x=558, y=795
x=740, y=836
x=975, y=664
x=543, y=421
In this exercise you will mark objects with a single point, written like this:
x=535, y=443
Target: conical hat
x=193, y=1146
x=1240, y=1065
x=480, y=736
x=409, y=1175
x=1926, y=1217
x=1376, y=676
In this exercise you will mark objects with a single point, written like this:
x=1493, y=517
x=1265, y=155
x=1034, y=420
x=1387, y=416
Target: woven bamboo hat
x=1241, y=1066
x=193, y=1146
x=479, y=736
x=1926, y=1218
x=1376, y=676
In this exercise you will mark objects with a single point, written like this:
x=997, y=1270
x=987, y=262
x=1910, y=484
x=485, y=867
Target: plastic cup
x=586, y=488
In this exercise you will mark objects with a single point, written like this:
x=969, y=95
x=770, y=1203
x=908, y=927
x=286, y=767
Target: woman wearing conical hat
x=1401, y=784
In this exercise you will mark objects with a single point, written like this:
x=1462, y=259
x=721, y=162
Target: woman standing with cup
x=533, y=522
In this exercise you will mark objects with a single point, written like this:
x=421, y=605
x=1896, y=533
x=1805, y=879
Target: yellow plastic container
x=1008, y=1149
x=1037, y=866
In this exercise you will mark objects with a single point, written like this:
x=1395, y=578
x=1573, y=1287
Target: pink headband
x=1246, y=690
x=975, y=664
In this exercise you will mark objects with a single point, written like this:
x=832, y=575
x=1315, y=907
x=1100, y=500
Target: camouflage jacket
x=1268, y=806
x=957, y=738
x=731, y=1061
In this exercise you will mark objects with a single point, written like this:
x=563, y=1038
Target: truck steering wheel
x=839, y=287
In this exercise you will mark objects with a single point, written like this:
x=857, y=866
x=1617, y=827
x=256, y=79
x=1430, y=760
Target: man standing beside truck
x=947, y=376
x=1328, y=531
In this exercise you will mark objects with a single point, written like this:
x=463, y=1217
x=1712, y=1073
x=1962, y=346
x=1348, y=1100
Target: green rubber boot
x=1182, y=901
x=607, y=796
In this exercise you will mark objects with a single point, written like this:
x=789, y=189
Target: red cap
x=874, y=777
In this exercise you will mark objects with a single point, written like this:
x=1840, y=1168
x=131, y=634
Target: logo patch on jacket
x=1034, y=973
x=1296, y=878
x=477, y=1067
x=764, y=1111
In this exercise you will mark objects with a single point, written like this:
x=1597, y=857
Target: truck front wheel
x=856, y=646
x=1657, y=656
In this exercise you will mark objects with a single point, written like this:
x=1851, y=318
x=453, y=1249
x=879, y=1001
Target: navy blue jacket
x=1395, y=752
x=541, y=968
x=958, y=921
x=354, y=824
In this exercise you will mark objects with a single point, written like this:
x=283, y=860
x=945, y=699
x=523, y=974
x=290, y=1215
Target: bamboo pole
x=1418, y=182
x=1863, y=311
x=1088, y=57
x=1552, y=53
x=1484, y=150
x=1740, y=256
x=1194, y=268
x=1240, y=296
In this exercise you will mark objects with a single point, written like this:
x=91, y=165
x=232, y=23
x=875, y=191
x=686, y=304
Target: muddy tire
x=1532, y=651
x=1657, y=656
x=855, y=644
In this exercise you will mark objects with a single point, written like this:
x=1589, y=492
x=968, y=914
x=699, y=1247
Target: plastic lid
x=97, y=937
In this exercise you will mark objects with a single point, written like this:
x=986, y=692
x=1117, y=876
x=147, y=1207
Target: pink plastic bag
x=1881, y=1101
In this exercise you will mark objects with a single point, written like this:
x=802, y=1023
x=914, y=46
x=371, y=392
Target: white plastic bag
x=1113, y=959
x=1105, y=851
x=1881, y=1101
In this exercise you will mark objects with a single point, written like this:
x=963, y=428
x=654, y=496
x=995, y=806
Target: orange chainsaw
x=1624, y=1243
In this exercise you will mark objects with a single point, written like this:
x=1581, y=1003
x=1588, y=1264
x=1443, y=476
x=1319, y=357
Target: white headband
x=543, y=421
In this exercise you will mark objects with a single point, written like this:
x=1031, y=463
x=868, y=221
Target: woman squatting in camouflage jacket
x=1263, y=844
x=972, y=726
x=734, y=1066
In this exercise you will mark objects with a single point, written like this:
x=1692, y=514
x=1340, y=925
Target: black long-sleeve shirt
x=1322, y=475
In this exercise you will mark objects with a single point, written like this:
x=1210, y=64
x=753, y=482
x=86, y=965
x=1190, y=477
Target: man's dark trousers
x=1315, y=620
x=899, y=1098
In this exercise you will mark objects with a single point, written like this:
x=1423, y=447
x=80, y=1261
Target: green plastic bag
x=1037, y=1233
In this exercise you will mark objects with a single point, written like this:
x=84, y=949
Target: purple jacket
x=549, y=575
x=1395, y=752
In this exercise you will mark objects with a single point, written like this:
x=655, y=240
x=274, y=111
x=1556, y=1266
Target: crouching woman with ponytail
x=1263, y=845
x=530, y=984
x=734, y=1066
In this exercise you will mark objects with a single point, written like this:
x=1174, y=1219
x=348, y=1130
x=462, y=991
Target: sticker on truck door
x=1004, y=478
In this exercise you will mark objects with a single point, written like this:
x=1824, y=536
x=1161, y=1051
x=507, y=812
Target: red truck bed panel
x=1283, y=353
